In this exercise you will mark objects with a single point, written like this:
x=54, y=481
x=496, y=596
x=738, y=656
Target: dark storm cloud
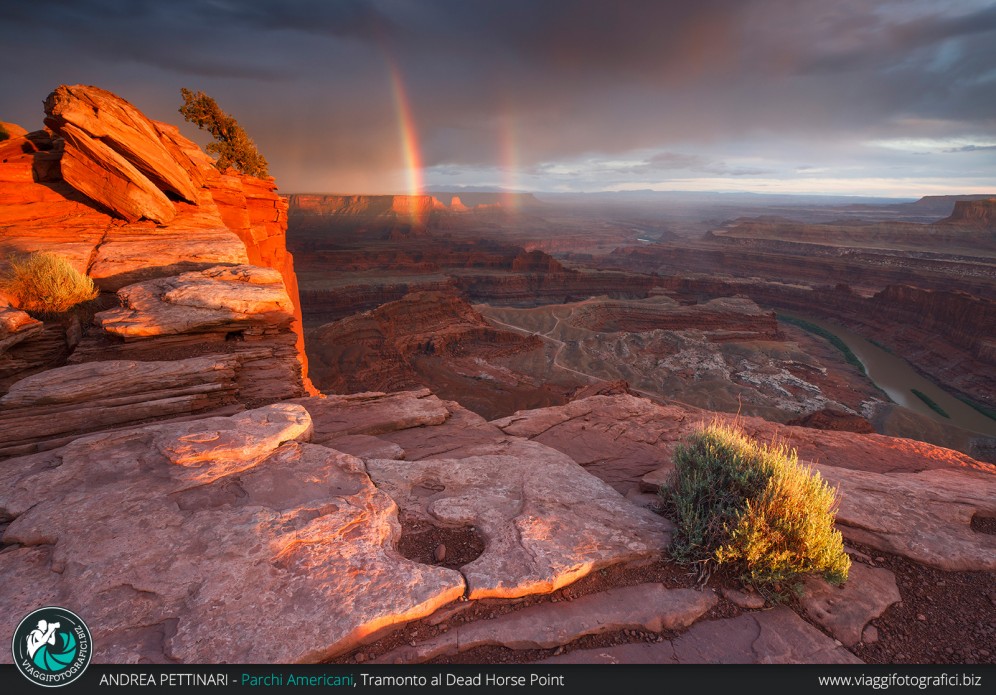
x=717, y=88
x=342, y=18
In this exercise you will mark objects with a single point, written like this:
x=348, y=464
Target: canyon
x=407, y=429
x=922, y=289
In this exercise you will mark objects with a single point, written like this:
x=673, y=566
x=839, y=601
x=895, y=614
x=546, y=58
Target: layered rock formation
x=944, y=333
x=948, y=236
x=376, y=350
x=370, y=206
x=361, y=205
x=127, y=199
x=331, y=298
x=980, y=213
x=134, y=365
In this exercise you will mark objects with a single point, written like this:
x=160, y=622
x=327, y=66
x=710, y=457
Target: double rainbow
x=412, y=152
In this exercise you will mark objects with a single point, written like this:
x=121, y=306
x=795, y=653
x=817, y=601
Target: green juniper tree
x=231, y=144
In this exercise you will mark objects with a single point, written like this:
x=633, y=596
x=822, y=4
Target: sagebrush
x=45, y=283
x=755, y=508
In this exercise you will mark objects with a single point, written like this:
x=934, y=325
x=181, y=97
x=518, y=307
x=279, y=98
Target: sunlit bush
x=46, y=284
x=754, y=508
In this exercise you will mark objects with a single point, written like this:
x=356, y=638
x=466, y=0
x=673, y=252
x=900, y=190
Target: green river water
x=897, y=378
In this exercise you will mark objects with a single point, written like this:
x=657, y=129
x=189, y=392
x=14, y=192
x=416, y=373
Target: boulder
x=15, y=326
x=105, y=117
x=96, y=170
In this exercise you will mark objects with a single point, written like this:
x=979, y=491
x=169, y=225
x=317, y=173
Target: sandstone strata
x=777, y=636
x=730, y=318
x=134, y=367
x=200, y=302
x=648, y=607
x=58, y=405
x=128, y=199
x=195, y=533
x=376, y=350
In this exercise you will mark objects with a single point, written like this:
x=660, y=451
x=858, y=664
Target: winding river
x=897, y=378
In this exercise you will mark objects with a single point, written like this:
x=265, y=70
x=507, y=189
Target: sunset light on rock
x=498, y=346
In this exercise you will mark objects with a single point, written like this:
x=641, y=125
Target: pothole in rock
x=427, y=543
x=984, y=524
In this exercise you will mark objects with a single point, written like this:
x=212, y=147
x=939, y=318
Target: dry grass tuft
x=45, y=283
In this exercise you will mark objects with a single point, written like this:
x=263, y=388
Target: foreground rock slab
x=617, y=438
x=546, y=521
x=630, y=441
x=58, y=405
x=844, y=611
x=372, y=414
x=925, y=516
x=178, y=542
x=649, y=607
x=200, y=301
x=777, y=636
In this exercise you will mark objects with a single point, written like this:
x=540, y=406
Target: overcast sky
x=841, y=97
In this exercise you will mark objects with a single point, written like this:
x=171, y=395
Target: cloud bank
x=771, y=95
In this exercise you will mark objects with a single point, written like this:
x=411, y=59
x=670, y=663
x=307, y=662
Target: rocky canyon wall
x=207, y=314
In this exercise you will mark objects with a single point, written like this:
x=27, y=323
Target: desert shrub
x=232, y=145
x=754, y=508
x=46, y=284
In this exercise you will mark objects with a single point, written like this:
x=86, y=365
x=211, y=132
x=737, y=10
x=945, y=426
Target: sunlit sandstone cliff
x=197, y=257
x=126, y=198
